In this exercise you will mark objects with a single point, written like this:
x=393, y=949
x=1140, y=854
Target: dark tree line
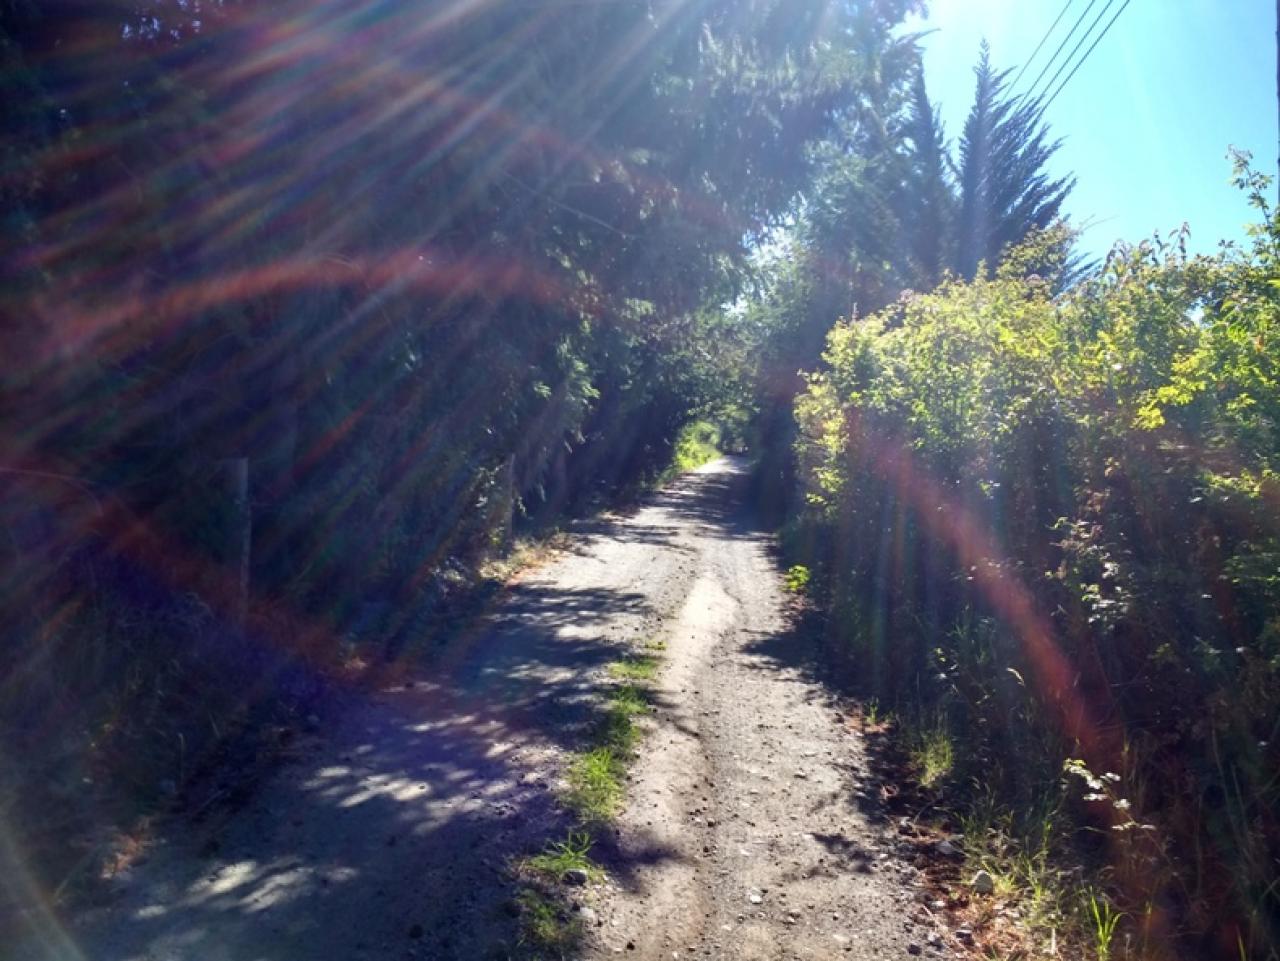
x=418, y=271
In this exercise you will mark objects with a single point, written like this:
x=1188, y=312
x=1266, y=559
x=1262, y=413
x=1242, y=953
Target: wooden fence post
x=235, y=479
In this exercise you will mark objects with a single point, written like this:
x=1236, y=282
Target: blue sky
x=1147, y=120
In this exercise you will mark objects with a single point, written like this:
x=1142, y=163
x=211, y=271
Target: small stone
x=588, y=916
x=947, y=849
x=983, y=883
x=755, y=897
x=913, y=948
x=575, y=876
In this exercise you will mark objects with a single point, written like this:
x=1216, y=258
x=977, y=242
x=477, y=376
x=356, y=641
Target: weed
x=1104, y=919
x=655, y=645
x=639, y=668
x=797, y=578
x=567, y=855
x=931, y=751
x=545, y=925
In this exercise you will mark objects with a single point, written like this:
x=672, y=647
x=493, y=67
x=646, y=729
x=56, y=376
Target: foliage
x=796, y=580
x=1077, y=491
x=435, y=271
x=1005, y=191
x=697, y=444
x=892, y=210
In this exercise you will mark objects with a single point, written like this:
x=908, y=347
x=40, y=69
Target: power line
x=1065, y=40
x=1074, y=50
x=1080, y=62
x=1048, y=33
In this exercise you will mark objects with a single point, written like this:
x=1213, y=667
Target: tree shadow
x=810, y=648
x=715, y=502
x=394, y=833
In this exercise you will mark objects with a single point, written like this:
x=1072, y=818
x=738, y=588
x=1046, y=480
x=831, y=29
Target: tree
x=931, y=194
x=1005, y=189
x=422, y=263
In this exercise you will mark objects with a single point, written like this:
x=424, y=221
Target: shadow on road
x=391, y=835
x=811, y=647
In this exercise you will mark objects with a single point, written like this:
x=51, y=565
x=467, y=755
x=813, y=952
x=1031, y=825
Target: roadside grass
x=573, y=853
x=931, y=751
x=1103, y=918
x=525, y=552
x=545, y=925
x=595, y=785
x=1060, y=915
x=595, y=775
x=643, y=667
x=872, y=716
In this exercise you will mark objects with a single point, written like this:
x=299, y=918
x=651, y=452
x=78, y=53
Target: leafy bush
x=697, y=444
x=796, y=580
x=1057, y=513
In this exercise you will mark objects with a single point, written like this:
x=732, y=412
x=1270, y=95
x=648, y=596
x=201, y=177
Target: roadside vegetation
x=595, y=789
x=697, y=444
x=1043, y=519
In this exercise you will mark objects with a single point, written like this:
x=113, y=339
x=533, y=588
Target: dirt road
x=749, y=830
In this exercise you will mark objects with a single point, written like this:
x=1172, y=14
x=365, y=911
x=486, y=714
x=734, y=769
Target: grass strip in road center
x=594, y=795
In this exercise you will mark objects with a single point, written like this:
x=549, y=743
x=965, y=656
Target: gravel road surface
x=750, y=829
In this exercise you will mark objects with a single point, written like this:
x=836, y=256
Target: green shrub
x=1057, y=511
x=797, y=579
x=698, y=443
